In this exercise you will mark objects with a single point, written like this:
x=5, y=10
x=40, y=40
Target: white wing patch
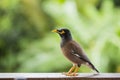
x=73, y=52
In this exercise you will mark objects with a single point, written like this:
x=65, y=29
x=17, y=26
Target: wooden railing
x=58, y=76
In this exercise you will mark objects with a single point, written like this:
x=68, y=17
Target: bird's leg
x=70, y=71
x=75, y=72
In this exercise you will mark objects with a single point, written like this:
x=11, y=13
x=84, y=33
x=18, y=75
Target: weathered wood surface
x=58, y=76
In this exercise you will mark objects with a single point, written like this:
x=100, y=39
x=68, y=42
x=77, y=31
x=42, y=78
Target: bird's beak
x=55, y=30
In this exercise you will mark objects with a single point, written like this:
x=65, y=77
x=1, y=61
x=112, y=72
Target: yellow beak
x=55, y=30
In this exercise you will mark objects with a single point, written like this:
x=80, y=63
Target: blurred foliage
x=28, y=45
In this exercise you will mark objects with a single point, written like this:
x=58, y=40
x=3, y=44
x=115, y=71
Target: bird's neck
x=65, y=39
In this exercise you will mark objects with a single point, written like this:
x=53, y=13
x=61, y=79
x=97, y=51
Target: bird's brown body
x=73, y=52
x=68, y=49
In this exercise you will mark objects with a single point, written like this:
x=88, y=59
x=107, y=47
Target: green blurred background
x=28, y=45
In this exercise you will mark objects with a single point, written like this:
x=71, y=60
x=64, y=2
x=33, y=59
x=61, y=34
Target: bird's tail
x=93, y=67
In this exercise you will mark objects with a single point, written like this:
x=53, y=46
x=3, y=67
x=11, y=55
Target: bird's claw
x=70, y=74
x=74, y=74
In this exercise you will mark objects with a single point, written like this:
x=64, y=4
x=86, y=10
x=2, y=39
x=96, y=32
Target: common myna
x=73, y=51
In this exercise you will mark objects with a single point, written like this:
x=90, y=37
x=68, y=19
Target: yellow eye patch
x=62, y=32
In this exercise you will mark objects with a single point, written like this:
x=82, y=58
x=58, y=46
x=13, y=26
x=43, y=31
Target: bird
x=73, y=52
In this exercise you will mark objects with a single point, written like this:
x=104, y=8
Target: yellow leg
x=75, y=72
x=70, y=71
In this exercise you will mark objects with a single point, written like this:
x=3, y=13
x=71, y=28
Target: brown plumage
x=73, y=52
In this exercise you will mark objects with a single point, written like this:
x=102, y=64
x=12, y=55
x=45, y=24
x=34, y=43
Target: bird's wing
x=78, y=51
x=74, y=48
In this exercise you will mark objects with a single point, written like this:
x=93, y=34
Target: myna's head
x=64, y=33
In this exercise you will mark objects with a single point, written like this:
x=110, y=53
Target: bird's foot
x=70, y=74
x=74, y=74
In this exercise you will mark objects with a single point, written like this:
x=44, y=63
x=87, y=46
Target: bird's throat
x=65, y=39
